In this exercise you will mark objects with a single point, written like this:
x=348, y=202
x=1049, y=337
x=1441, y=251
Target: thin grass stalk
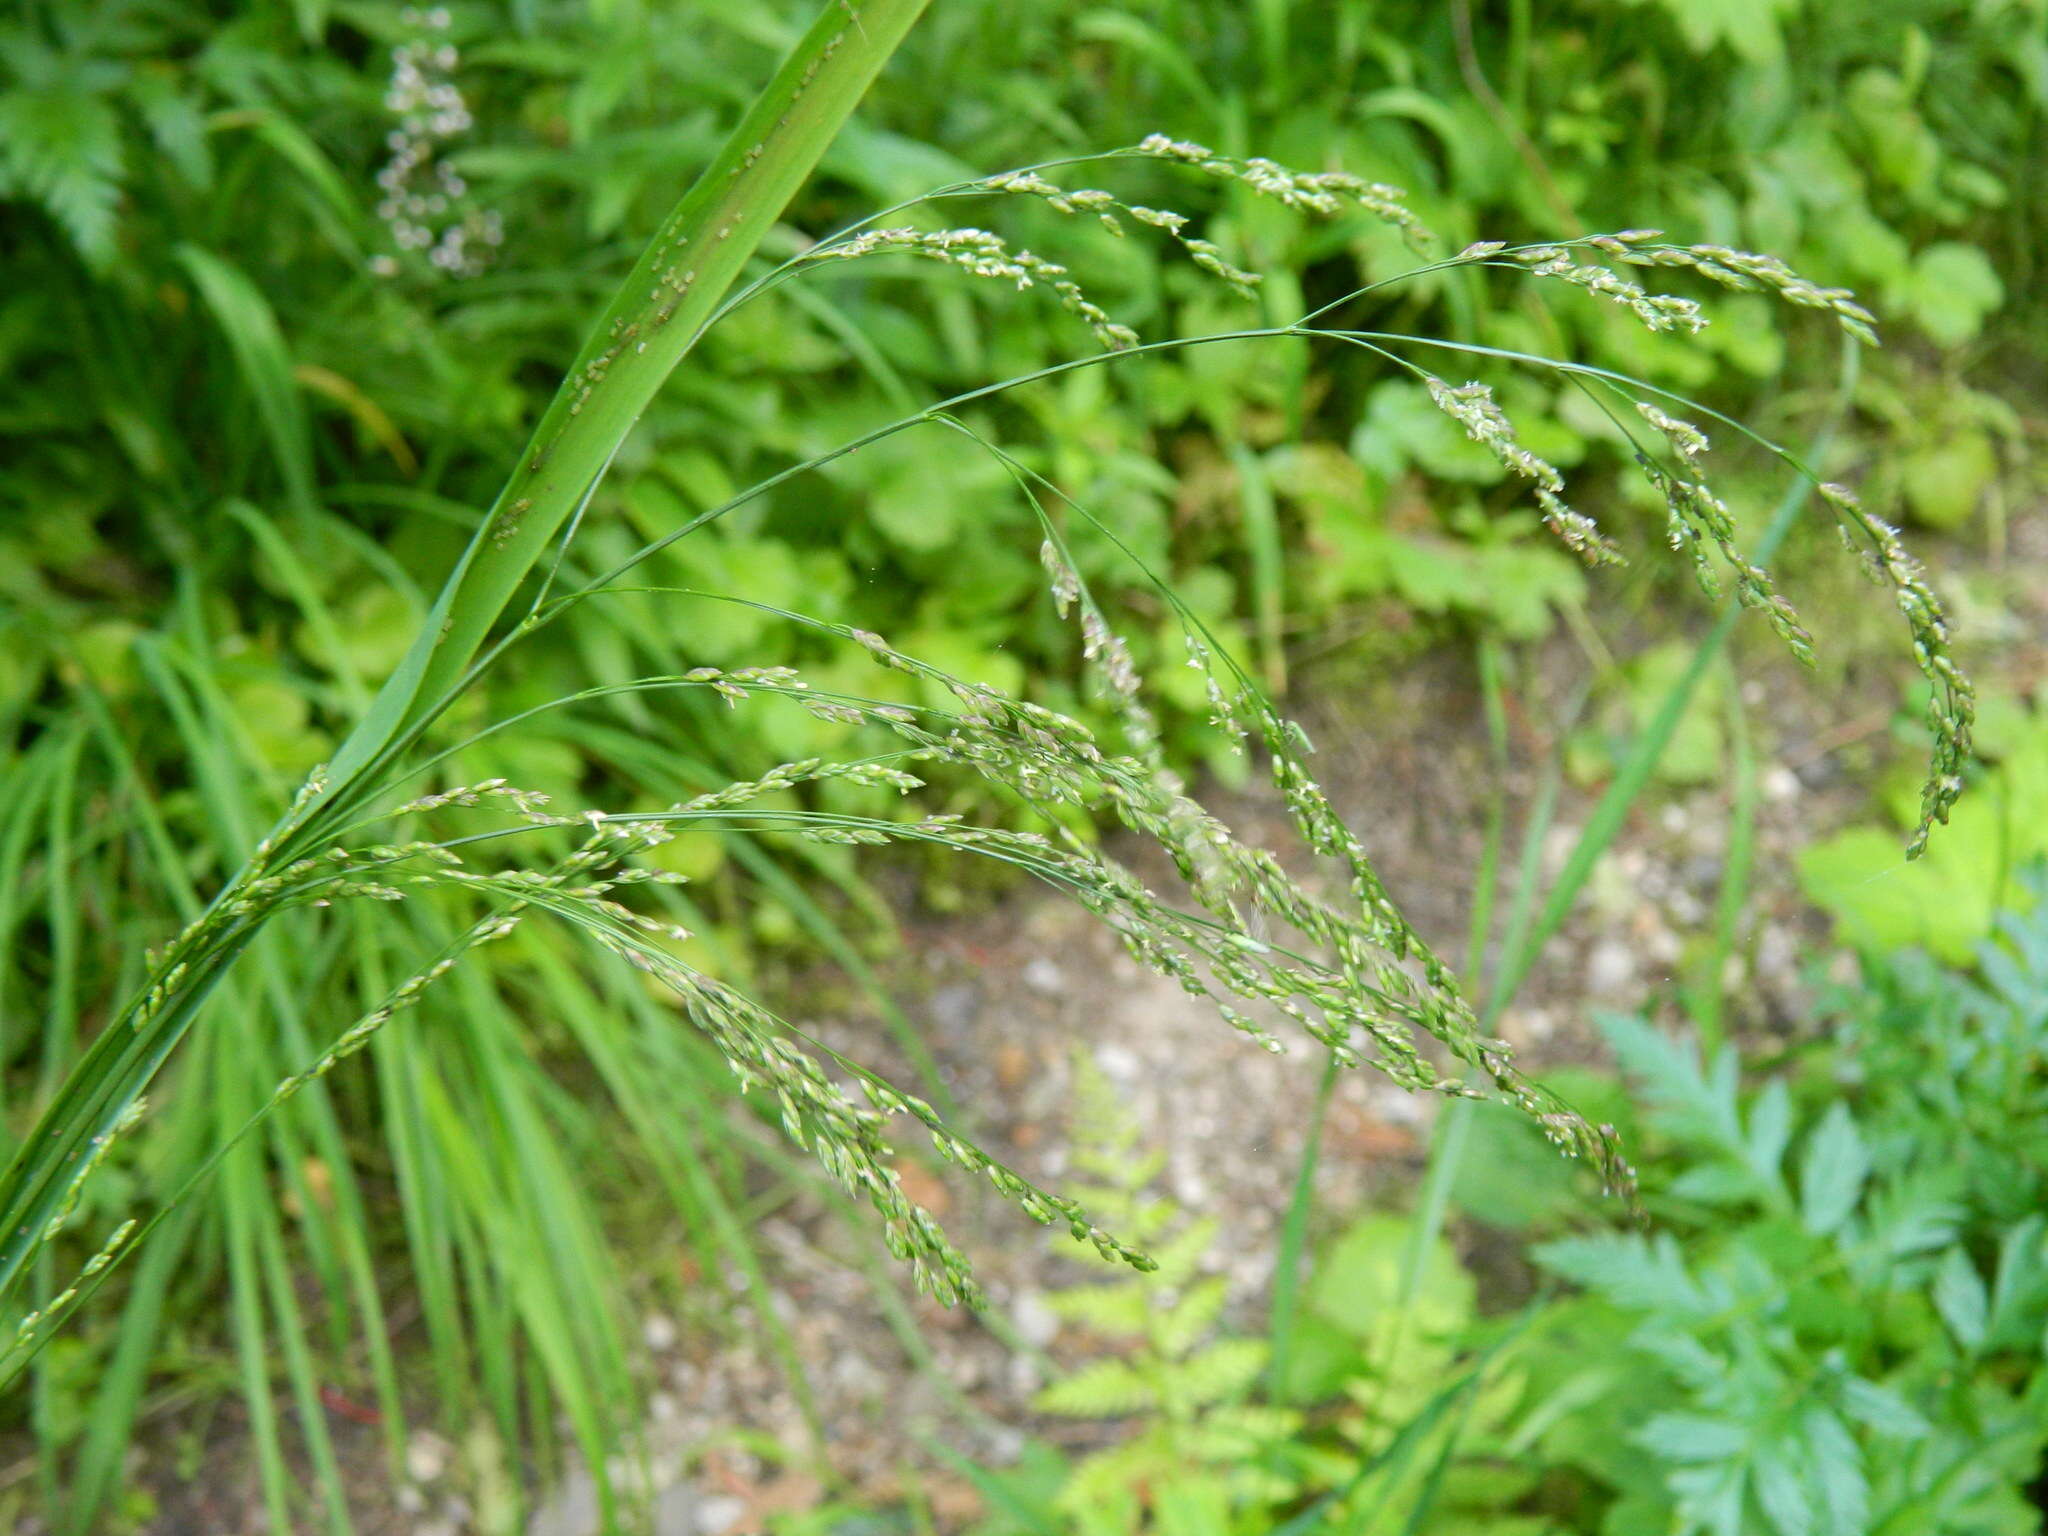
x=1731, y=901
x=1452, y=1130
x=1287, y=1270
x=1648, y=749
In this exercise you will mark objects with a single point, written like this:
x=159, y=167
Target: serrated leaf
x=1180, y=1254
x=1832, y=1172
x=1836, y=1464
x=1192, y=1504
x=1101, y=1495
x=1961, y=1299
x=1712, y=1497
x=1911, y=1218
x=1192, y=1316
x=1118, y=1310
x=1781, y=1492
x=1881, y=1410
x=1770, y=1131
x=2021, y=1283
x=1691, y=1437
x=1716, y=1184
x=1233, y=1433
x=1685, y=1357
x=1627, y=1270
x=1221, y=1371
x=1102, y=1389
x=1687, y=1103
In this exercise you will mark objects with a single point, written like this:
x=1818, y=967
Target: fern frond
x=1224, y=1370
x=1189, y=1318
x=60, y=146
x=1103, y=1389
x=1118, y=1310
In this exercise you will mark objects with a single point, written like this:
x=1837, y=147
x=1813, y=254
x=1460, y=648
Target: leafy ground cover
x=1835, y=1323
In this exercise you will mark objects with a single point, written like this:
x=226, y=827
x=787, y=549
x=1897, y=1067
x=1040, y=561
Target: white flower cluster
x=422, y=192
x=1657, y=311
x=979, y=253
x=1473, y=407
x=1320, y=192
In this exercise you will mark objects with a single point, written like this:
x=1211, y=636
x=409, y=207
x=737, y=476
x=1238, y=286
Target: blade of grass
x=1705, y=1006
x=250, y=326
x=645, y=332
x=1294, y=1237
x=1433, y=1484
x=1493, y=700
x=692, y=260
x=60, y=1010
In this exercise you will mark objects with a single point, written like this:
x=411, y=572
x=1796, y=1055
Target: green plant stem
x=1294, y=1237
x=1493, y=699
x=1706, y=1009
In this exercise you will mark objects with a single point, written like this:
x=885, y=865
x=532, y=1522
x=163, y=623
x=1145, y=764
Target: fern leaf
x=1193, y=1504
x=1178, y=1257
x=61, y=147
x=1105, y=1389
x=1221, y=1371
x=1117, y=1310
x=1192, y=1316
x=176, y=124
x=1235, y=1433
x=1101, y=1494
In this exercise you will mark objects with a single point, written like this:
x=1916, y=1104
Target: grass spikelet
x=1952, y=710
x=1473, y=407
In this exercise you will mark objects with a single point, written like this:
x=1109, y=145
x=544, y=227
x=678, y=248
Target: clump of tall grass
x=1329, y=957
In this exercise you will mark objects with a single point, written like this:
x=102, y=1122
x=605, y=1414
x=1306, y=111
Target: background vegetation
x=254, y=402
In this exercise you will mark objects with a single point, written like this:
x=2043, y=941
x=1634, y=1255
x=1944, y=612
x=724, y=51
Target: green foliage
x=1948, y=902
x=1204, y=1454
x=1840, y=1324
x=1836, y=1322
x=1200, y=1442
x=247, y=428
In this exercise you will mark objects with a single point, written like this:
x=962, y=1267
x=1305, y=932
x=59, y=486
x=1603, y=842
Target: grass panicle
x=1325, y=953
